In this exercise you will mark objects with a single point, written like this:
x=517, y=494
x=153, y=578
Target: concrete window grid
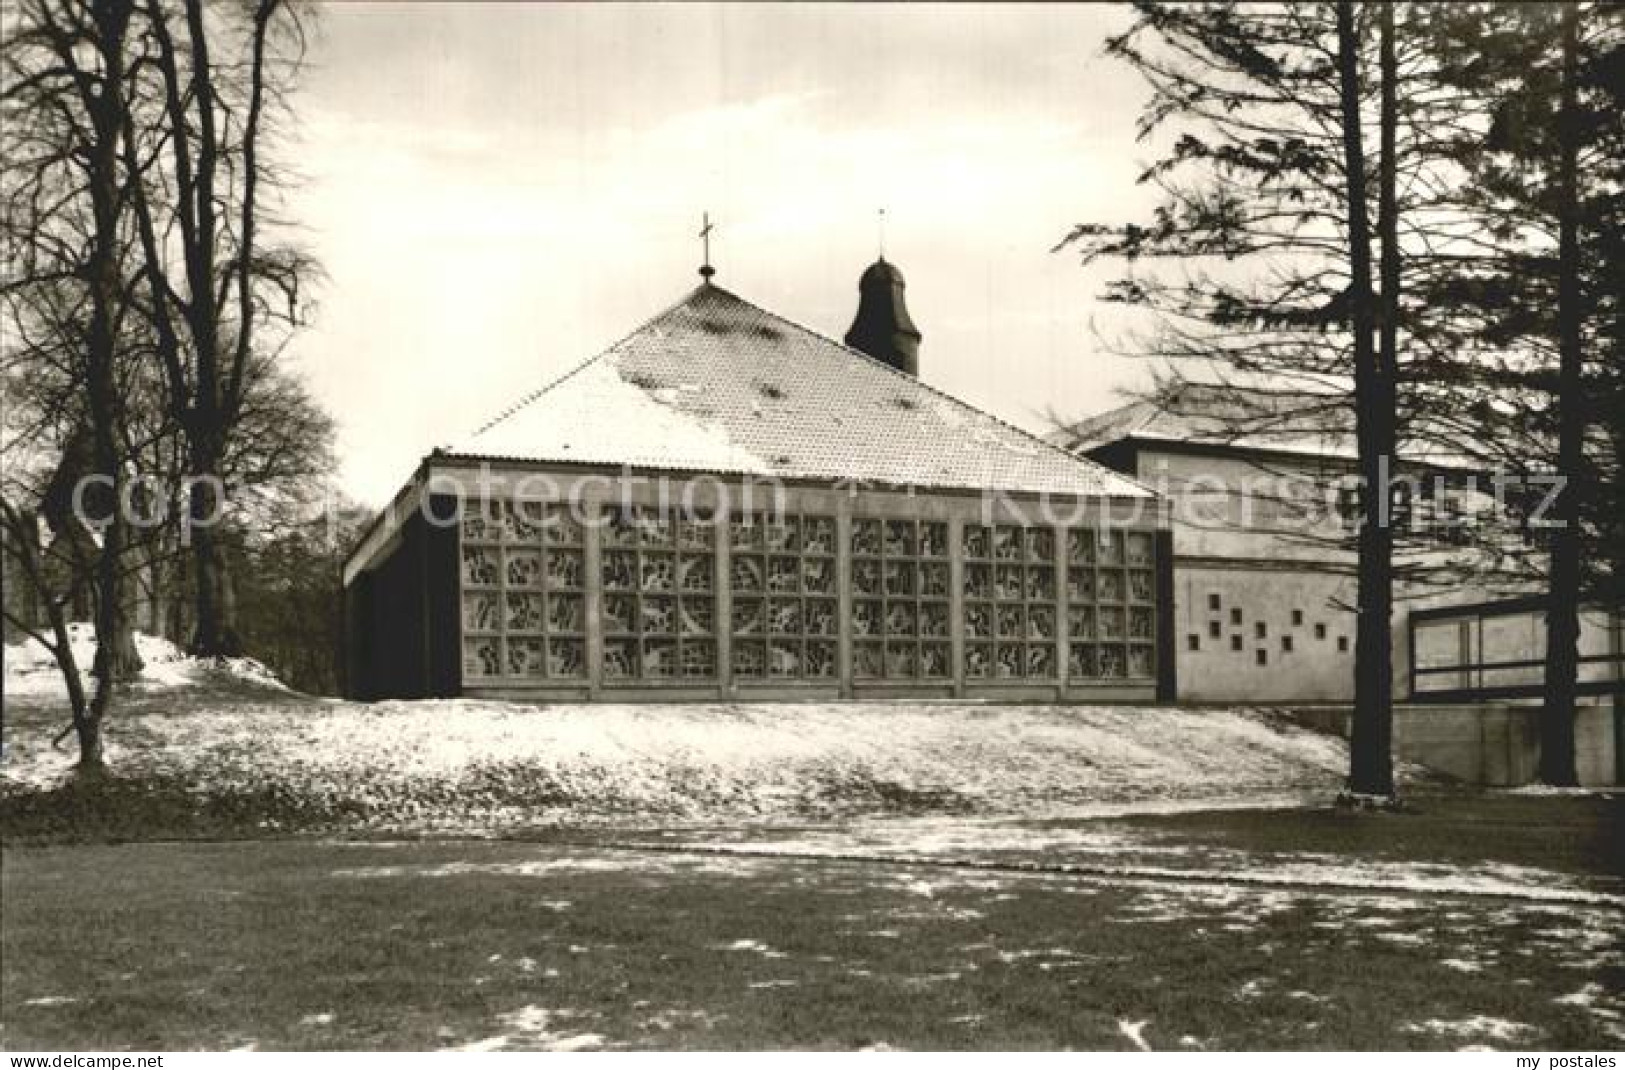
x=522, y=601
x=782, y=579
x=657, y=569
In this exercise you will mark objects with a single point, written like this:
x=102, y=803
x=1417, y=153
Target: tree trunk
x=177, y=593
x=1557, y=766
x=88, y=730
x=215, y=634
x=91, y=765
x=123, y=659
x=87, y=725
x=116, y=658
x=1370, y=763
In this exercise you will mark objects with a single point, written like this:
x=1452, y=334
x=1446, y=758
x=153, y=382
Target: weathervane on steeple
x=706, y=270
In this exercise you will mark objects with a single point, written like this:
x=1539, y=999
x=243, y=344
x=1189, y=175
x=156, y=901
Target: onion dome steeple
x=882, y=327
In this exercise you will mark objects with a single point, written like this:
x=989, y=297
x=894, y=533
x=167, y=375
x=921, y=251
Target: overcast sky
x=498, y=191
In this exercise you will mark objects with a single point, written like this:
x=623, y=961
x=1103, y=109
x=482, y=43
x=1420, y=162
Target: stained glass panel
x=513, y=551
x=481, y=656
x=1013, y=600
x=525, y=614
x=901, y=585
x=524, y=568
x=1111, y=589
x=565, y=657
x=526, y=657
x=480, y=566
x=480, y=611
x=790, y=559
x=659, y=602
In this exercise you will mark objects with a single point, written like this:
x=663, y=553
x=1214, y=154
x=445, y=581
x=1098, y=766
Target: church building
x=728, y=505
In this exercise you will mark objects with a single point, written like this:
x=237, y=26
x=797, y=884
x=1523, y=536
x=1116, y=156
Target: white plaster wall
x=1224, y=507
x=1302, y=607
x=1259, y=537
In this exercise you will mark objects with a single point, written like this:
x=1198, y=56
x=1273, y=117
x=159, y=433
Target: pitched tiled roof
x=718, y=384
x=1286, y=423
x=1319, y=425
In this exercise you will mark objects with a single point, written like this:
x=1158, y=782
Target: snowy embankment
x=467, y=764
x=32, y=670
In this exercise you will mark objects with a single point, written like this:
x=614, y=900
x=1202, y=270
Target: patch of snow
x=31, y=670
x=1511, y=882
x=1059, y=953
x=755, y=946
x=1135, y=1032
x=324, y=1018
x=50, y=1001
x=1548, y=789
x=620, y=862
x=1404, y=939
x=531, y=1028
x=650, y=427
x=1585, y=997
x=1602, y=1004
x=1496, y=1029
x=671, y=1018
x=1462, y=965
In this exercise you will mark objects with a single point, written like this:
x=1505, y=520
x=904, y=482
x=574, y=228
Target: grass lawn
x=844, y=918
x=1582, y=834
x=304, y=944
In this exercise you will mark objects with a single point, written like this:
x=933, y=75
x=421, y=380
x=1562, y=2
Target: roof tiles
x=717, y=384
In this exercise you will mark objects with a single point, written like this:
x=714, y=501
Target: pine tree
x=1534, y=295
x=1268, y=186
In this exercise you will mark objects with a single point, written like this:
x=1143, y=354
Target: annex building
x=1264, y=584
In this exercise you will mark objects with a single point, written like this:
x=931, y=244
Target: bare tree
x=65, y=86
x=218, y=291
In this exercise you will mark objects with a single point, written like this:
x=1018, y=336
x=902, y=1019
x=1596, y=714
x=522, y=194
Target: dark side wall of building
x=401, y=616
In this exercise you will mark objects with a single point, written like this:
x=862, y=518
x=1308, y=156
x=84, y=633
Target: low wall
x=1495, y=744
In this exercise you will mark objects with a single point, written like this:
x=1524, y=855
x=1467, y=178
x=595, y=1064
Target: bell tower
x=882, y=327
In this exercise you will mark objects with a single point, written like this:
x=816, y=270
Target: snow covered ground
x=1091, y=847
x=32, y=672
x=457, y=763
x=230, y=727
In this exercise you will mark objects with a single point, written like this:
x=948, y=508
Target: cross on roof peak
x=706, y=270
